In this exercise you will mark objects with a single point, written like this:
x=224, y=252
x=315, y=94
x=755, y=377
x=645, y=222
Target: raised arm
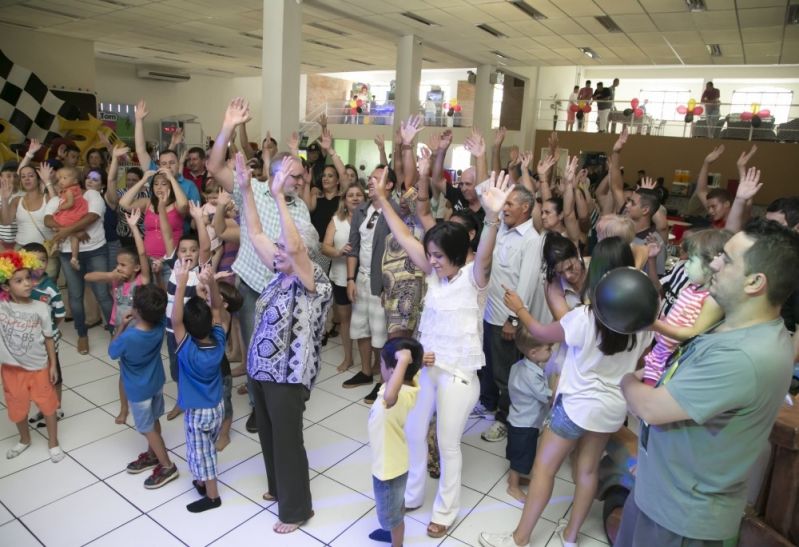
x=408, y=132
x=499, y=137
x=439, y=182
x=294, y=246
x=569, y=214
x=245, y=141
x=45, y=173
x=132, y=219
x=264, y=247
x=743, y=161
x=527, y=181
x=111, y=196
x=748, y=187
x=218, y=312
x=33, y=148
x=128, y=200
x=475, y=144
x=196, y=213
x=701, y=181
x=543, y=168
x=423, y=212
x=391, y=393
x=9, y=209
x=547, y=334
x=138, y=135
x=493, y=200
x=380, y=142
x=181, y=201
x=181, y=270
x=616, y=178
x=226, y=231
x=326, y=144
x=237, y=112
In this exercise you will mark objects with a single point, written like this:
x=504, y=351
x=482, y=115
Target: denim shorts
x=390, y=498
x=146, y=412
x=560, y=423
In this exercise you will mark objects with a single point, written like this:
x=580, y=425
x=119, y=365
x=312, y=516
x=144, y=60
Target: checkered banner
x=27, y=104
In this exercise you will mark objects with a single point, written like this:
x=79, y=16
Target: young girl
x=72, y=206
x=132, y=270
x=589, y=405
x=694, y=311
x=210, y=199
x=27, y=352
x=336, y=246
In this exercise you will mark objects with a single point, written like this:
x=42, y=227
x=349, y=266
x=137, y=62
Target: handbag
x=50, y=245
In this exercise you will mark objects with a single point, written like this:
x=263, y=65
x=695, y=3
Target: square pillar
x=408, y=77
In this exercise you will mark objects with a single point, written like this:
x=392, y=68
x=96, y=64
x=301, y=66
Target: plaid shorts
x=202, y=430
x=368, y=316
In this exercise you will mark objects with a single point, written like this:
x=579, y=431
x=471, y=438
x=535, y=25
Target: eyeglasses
x=372, y=220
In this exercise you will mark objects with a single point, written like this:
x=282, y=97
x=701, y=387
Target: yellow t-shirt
x=387, y=433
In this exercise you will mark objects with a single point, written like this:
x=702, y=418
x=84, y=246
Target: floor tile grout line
x=344, y=531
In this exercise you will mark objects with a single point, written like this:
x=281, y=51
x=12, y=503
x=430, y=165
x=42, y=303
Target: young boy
x=529, y=400
x=46, y=290
x=137, y=345
x=201, y=345
x=399, y=364
x=27, y=352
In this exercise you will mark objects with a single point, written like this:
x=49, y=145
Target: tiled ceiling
x=221, y=38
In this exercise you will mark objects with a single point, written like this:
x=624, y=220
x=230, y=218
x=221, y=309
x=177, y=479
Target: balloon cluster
x=356, y=106
x=755, y=115
x=635, y=109
x=581, y=108
x=452, y=106
x=691, y=110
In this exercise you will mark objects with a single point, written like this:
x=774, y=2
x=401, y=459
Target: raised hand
x=715, y=154
x=423, y=164
x=120, y=151
x=475, y=144
x=571, y=170
x=279, y=180
x=223, y=198
x=238, y=112
x=243, y=172
x=381, y=193
x=294, y=143
x=178, y=138
x=446, y=140
x=499, y=136
x=380, y=141
x=653, y=245
x=6, y=189
x=648, y=183
x=744, y=158
x=206, y=275
x=514, y=156
x=323, y=121
x=168, y=174
x=512, y=301
x=621, y=141
x=428, y=359
x=181, y=269
x=133, y=218
x=434, y=142
x=326, y=140
x=553, y=142
x=34, y=147
x=141, y=110
x=525, y=158
x=196, y=212
x=45, y=173
x=496, y=193
x=749, y=185
x=544, y=165
x=411, y=128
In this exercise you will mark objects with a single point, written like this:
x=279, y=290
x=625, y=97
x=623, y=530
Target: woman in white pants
x=451, y=328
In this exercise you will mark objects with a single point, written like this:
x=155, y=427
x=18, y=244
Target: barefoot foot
x=222, y=442
x=517, y=493
x=121, y=418
x=344, y=366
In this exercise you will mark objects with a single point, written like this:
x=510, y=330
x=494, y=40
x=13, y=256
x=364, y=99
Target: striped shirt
x=248, y=265
x=47, y=291
x=172, y=287
x=673, y=283
x=683, y=313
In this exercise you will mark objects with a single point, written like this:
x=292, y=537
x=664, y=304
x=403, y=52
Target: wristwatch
x=514, y=321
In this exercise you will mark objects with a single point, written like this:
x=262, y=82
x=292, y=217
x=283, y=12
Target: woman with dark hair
x=95, y=159
x=589, y=405
x=470, y=222
x=451, y=328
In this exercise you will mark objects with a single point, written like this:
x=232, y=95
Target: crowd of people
x=466, y=298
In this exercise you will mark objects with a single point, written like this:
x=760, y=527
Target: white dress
x=338, y=266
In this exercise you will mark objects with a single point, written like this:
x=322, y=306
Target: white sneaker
x=481, y=412
x=56, y=454
x=497, y=432
x=497, y=539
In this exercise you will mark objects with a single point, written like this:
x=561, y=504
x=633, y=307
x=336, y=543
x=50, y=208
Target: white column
x=280, y=73
x=484, y=99
x=408, y=76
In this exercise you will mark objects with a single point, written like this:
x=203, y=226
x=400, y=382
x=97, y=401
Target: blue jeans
x=90, y=261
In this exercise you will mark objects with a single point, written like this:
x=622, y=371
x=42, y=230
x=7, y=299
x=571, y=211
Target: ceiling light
x=528, y=9
x=491, y=30
x=203, y=43
x=428, y=60
x=326, y=28
x=418, y=18
x=219, y=71
x=714, y=50
x=609, y=24
x=148, y=48
x=215, y=54
x=792, y=15
x=170, y=59
x=323, y=44
x=252, y=35
x=696, y=5
x=116, y=55
x=360, y=62
x=588, y=52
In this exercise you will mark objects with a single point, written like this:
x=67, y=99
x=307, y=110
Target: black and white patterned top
x=287, y=340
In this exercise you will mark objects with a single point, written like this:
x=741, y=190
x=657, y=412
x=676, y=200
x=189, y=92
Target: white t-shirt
x=367, y=241
x=23, y=328
x=589, y=383
x=95, y=230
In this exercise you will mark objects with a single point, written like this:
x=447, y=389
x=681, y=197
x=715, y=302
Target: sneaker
x=481, y=412
x=83, y=345
x=38, y=417
x=497, y=432
x=358, y=380
x=497, y=539
x=251, y=425
x=372, y=397
x=161, y=476
x=145, y=461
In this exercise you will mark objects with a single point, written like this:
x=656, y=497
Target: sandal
x=292, y=526
x=269, y=497
x=16, y=450
x=436, y=531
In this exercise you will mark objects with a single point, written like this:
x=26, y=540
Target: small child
x=695, y=310
x=27, y=352
x=210, y=195
x=72, y=206
x=529, y=401
x=232, y=300
x=201, y=346
x=137, y=345
x=400, y=361
x=47, y=291
x=132, y=271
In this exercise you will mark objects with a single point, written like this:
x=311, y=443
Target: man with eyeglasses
x=365, y=280
x=253, y=274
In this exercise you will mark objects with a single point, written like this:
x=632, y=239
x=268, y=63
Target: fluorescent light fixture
x=418, y=18
x=360, y=62
x=696, y=5
x=323, y=44
x=492, y=31
x=210, y=44
x=529, y=10
x=326, y=28
x=714, y=50
x=588, y=52
x=792, y=15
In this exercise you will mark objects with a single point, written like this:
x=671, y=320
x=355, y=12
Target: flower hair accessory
x=12, y=261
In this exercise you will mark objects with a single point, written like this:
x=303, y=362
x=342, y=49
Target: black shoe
x=358, y=380
x=251, y=424
x=372, y=397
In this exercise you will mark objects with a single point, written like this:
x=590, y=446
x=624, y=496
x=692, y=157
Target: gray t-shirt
x=23, y=328
x=692, y=474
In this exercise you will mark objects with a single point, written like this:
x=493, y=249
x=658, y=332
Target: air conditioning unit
x=162, y=73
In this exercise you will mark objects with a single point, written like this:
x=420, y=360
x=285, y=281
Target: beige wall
x=322, y=89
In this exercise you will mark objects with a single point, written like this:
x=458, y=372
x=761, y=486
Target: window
x=662, y=104
x=776, y=99
x=496, y=107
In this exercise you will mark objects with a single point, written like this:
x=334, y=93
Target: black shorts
x=521, y=447
x=340, y=296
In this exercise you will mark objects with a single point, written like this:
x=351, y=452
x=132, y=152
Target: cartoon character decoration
x=690, y=110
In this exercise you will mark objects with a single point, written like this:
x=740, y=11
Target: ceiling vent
x=696, y=5
x=162, y=73
x=609, y=24
x=529, y=10
x=326, y=28
x=491, y=30
x=323, y=44
x=418, y=18
x=792, y=15
x=714, y=50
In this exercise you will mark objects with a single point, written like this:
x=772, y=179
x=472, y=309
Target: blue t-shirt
x=139, y=354
x=200, y=376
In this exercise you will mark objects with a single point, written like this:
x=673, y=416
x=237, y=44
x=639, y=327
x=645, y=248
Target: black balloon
x=580, y=115
x=628, y=112
x=451, y=112
x=689, y=117
x=359, y=110
x=756, y=121
x=625, y=300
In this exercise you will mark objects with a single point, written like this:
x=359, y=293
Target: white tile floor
x=89, y=498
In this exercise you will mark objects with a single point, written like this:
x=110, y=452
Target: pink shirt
x=153, y=240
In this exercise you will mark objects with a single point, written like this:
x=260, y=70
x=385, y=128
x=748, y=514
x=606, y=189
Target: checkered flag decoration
x=28, y=105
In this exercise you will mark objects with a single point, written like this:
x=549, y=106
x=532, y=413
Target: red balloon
x=573, y=107
x=457, y=108
x=765, y=113
x=634, y=103
x=587, y=108
x=682, y=109
x=639, y=112
x=698, y=110
x=359, y=102
x=746, y=116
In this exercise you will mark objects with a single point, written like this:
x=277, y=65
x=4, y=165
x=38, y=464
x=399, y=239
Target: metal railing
x=381, y=113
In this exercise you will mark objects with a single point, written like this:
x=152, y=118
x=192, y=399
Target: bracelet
x=490, y=223
x=407, y=147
